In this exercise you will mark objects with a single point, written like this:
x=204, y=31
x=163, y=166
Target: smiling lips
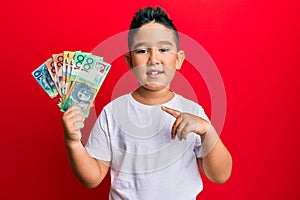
x=154, y=73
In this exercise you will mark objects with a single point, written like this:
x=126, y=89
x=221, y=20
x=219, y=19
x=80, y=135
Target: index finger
x=171, y=111
x=73, y=108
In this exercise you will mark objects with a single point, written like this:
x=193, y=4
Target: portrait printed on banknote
x=82, y=95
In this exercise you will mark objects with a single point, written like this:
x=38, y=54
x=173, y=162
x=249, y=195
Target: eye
x=163, y=50
x=141, y=51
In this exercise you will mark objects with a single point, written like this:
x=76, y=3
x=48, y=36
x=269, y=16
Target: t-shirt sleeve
x=198, y=144
x=202, y=114
x=98, y=145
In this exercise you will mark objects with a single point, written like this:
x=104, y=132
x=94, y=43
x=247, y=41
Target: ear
x=128, y=60
x=180, y=59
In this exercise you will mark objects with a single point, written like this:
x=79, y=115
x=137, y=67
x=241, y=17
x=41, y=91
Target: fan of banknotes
x=72, y=77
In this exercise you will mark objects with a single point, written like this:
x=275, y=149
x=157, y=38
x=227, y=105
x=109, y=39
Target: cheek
x=170, y=72
x=139, y=61
x=139, y=71
x=170, y=61
x=170, y=65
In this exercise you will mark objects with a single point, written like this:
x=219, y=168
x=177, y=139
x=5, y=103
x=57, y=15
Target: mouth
x=154, y=73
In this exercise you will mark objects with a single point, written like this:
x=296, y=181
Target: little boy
x=151, y=139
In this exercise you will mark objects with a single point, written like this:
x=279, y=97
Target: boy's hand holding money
x=73, y=121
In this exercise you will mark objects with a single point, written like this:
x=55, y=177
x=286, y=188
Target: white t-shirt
x=145, y=162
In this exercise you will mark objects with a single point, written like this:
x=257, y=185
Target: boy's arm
x=216, y=162
x=88, y=170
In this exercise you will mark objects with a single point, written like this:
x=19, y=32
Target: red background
x=253, y=43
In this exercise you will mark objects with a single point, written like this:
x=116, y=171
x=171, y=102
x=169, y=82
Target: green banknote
x=86, y=84
x=77, y=62
x=103, y=68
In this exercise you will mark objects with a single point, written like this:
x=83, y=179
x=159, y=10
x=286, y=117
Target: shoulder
x=188, y=105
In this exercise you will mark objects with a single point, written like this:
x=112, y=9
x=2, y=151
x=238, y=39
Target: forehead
x=153, y=34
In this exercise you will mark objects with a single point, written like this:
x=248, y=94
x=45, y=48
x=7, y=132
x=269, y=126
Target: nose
x=153, y=57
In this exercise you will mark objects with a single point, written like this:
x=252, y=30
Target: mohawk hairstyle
x=151, y=14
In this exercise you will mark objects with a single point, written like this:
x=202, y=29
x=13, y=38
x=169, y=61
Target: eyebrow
x=139, y=45
x=145, y=44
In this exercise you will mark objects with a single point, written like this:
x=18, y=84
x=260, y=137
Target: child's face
x=154, y=57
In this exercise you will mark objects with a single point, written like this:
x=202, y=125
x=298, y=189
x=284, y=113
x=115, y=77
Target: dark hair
x=148, y=14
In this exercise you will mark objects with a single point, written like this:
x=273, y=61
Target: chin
x=154, y=86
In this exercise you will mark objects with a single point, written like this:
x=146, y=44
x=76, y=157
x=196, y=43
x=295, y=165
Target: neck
x=150, y=97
